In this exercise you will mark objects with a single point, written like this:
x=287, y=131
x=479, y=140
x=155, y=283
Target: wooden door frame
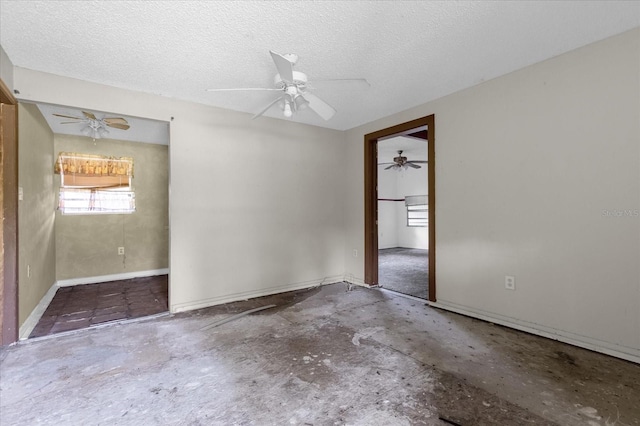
x=9, y=233
x=371, y=198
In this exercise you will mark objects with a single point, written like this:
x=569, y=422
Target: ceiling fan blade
x=410, y=164
x=70, y=122
x=266, y=108
x=322, y=108
x=118, y=126
x=284, y=66
x=119, y=120
x=89, y=115
x=419, y=162
x=390, y=167
x=244, y=89
x=68, y=116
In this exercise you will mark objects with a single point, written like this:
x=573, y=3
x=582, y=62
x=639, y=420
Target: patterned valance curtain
x=93, y=171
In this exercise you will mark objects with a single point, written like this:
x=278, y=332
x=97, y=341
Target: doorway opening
x=403, y=220
x=408, y=270
x=102, y=254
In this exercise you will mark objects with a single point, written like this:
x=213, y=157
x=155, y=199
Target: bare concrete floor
x=325, y=356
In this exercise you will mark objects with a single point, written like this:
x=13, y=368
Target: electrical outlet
x=355, y=253
x=510, y=282
x=120, y=251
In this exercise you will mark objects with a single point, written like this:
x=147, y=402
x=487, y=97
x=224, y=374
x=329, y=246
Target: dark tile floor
x=83, y=306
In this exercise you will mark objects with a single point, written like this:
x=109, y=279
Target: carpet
x=404, y=270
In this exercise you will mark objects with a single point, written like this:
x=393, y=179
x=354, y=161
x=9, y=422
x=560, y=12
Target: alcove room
x=93, y=218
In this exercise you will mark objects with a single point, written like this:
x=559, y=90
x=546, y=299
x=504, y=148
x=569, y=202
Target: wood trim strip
x=370, y=210
x=431, y=197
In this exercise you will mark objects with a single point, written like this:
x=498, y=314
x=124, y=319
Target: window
x=94, y=184
x=417, y=210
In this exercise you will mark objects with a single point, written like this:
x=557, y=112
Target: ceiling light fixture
x=287, y=110
x=300, y=102
x=95, y=129
x=293, y=101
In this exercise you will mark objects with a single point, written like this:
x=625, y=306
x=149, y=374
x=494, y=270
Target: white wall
x=527, y=167
x=387, y=210
x=411, y=182
x=392, y=215
x=254, y=204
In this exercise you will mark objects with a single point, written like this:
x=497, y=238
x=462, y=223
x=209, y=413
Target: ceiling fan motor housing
x=400, y=159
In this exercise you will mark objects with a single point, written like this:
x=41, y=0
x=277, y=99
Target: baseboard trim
x=112, y=277
x=205, y=303
x=32, y=320
x=622, y=352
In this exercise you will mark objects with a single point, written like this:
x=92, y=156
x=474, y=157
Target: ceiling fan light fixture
x=102, y=132
x=287, y=110
x=301, y=103
x=86, y=131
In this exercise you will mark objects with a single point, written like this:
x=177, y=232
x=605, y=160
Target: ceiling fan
x=96, y=127
x=400, y=163
x=294, y=88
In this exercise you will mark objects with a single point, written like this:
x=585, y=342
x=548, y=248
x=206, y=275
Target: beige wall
x=36, y=214
x=255, y=206
x=86, y=245
x=527, y=167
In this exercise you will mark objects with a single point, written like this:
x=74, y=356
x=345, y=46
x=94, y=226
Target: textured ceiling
x=410, y=52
